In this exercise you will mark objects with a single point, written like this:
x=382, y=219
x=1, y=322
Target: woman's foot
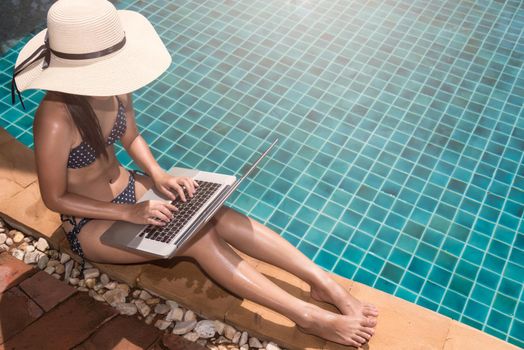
x=354, y=330
x=330, y=291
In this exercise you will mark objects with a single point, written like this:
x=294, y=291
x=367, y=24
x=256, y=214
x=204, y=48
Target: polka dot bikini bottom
x=127, y=196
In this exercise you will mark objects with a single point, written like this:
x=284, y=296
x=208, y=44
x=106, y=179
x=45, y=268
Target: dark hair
x=86, y=122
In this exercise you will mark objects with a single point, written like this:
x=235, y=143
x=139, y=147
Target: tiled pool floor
x=401, y=127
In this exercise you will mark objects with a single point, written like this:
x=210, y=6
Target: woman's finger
x=165, y=210
x=171, y=207
x=189, y=186
x=154, y=221
x=168, y=193
x=160, y=215
x=179, y=190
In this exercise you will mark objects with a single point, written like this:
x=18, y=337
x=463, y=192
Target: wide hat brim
x=142, y=59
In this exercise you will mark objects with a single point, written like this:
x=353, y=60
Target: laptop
x=164, y=241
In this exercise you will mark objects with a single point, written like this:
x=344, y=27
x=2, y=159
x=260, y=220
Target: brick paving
x=38, y=311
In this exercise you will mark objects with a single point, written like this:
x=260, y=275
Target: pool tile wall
x=401, y=134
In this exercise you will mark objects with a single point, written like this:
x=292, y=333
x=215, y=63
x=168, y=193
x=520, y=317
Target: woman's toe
x=368, y=322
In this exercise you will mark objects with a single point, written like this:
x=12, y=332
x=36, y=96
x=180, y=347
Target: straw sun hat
x=90, y=48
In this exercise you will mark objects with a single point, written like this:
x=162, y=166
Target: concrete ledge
x=401, y=324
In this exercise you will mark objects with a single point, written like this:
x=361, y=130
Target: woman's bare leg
x=229, y=270
x=260, y=242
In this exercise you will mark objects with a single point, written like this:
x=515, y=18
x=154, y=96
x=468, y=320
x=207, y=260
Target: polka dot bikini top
x=83, y=154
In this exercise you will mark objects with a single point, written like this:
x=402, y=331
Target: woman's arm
x=53, y=130
x=135, y=144
x=138, y=149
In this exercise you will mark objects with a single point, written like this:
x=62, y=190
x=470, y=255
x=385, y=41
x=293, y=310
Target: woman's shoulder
x=52, y=113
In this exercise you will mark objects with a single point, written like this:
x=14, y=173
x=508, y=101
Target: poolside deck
x=38, y=311
x=402, y=325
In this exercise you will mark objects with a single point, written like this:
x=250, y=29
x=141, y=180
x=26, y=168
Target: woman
x=90, y=59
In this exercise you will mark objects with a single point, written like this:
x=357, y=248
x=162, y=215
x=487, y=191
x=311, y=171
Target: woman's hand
x=168, y=185
x=154, y=212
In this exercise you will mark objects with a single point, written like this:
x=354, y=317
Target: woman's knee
x=205, y=241
x=229, y=222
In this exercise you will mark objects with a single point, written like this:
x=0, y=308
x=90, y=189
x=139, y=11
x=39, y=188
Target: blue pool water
x=401, y=127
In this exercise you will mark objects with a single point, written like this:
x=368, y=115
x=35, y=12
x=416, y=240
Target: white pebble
x=18, y=237
x=123, y=287
x=59, y=268
x=64, y=258
x=162, y=309
x=236, y=337
x=68, y=268
x=175, y=315
x=254, y=342
x=19, y=254
x=272, y=346
x=221, y=340
x=115, y=296
x=42, y=245
x=243, y=338
x=98, y=297
x=90, y=283
x=183, y=327
x=144, y=295
x=162, y=324
x=53, y=263
x=149, y=318
x=75, y=273
x=31, y=257
x=126, y=308
x=3, y=238
x=98, y=287
x=219, y=326
x=189, y=315
x=143, y=308
x=9, y=241
x=229, y=331
x=91, y=273
x=104, y=279
x=191, y=336
x=172, y=304
x=111, y=285
x=205, y=328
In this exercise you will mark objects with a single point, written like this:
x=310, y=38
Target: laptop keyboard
x=185, y=212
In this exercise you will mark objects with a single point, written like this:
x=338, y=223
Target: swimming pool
x=401, y=127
